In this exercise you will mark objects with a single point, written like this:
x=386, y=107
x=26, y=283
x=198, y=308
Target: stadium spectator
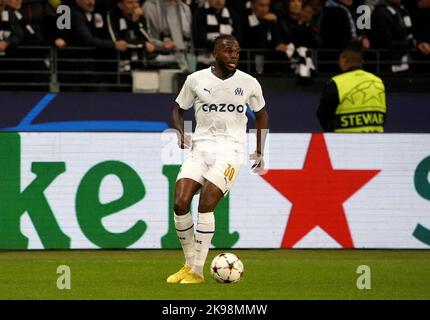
x=297, y=27
x=32, y=29
x=32, y=19
x=89, y=28
x=392, y=30
x=169, y=23
x=353, y=101
x=338, y=25
x=127, y=23
x=312, y=10
x=11, y=33
x=298, y=36
x=49, y=24
x=260, y=26
x=210, y=21
x=238, y=6
x=371, y=3
x=36, y=22
x=277, y=6
x=261, y=31
x=194, y=4
x=420, y=15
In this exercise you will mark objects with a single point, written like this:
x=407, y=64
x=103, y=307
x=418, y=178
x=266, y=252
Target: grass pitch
x=269, y=274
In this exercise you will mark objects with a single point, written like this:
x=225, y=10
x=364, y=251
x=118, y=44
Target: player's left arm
x=262, y=128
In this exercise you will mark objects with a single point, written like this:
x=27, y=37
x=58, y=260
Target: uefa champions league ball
x=226, y=268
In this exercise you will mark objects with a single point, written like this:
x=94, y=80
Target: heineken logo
x=100, y=190
x=89, y=210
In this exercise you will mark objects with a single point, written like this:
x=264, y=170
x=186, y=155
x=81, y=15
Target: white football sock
x=204, y=233
x=185, y=230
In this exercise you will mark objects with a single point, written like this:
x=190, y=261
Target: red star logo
x=317, y=193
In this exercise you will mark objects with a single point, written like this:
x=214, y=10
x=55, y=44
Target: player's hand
x=258, y=166
x=184, y=141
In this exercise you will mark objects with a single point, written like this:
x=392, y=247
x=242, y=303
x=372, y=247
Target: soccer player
x=220, y=95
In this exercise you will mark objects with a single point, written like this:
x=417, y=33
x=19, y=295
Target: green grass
x=269, y=274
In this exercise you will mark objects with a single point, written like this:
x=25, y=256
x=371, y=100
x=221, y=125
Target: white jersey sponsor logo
x=220, y=105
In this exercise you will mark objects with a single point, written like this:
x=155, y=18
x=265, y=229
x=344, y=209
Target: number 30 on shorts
x=229, y=172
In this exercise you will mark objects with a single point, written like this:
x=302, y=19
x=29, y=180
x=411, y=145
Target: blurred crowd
x=167, y=31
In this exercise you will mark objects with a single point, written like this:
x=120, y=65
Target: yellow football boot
x=192, y=277
x=178, y=276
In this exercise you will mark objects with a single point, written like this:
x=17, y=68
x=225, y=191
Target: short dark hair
x=354, y=54
x=218, y=40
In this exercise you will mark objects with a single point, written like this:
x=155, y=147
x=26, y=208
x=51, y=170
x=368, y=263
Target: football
x=226, y=268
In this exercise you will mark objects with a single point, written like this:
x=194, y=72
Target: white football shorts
x=220, y=168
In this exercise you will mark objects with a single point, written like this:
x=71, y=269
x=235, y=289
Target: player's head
x=351, y=58
x=226, y=52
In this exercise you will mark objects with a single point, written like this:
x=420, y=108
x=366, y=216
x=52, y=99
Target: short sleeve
x=256, y=100
x=186, y=97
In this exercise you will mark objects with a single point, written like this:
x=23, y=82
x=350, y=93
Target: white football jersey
x=220, y=105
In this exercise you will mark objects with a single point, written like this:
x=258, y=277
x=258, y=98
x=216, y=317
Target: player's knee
x=181, y=206
x=206, y=207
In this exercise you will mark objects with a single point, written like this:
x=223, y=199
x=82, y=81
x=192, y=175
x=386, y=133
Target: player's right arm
x=184, y=101
x=178, y=124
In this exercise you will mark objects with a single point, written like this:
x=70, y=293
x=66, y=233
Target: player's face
x=227, y=55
